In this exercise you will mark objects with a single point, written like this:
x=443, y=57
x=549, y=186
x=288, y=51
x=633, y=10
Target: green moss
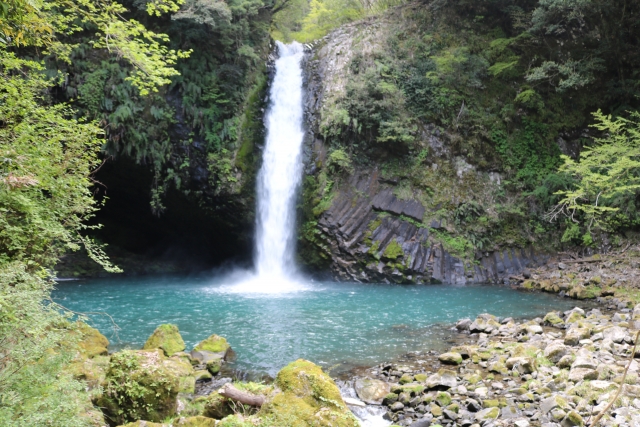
x=235, y=421
x=167, y=338
x=420, y=377
x=217, y=406
x=214, y=344
x=91, y=343
x=197, y=421
x=393, y=250
x=443, y=398
x=139, y=386
x=309, y=397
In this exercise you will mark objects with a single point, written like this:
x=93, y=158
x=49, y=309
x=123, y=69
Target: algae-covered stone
x=553, y=319
x=202, y=375
x=93, y=371
x=572, y=419
x=197, y=421
x=309, y=397
x=389, y=399
x=167, y=338
x=443, y=398
x=487, y=414
x=139, y=385
x=420, y=377
x=555, y=351
x=574, y=335
x=217, y=406
x=91, y=343
x=183, y=370
x=450, y=358
x=405, y=379
x=371, y=391
x=213, y=366
x=524, y=365
x=213, y=344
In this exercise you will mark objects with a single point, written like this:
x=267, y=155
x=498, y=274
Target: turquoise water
x=333, y=324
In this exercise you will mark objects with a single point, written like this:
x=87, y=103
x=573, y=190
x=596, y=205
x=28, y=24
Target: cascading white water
x=281, y=170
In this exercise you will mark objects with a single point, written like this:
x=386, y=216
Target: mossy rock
x=553, y=319
x=213, y=366
x=406, y=379
x=236, y=421
x=451, y=358
x=443, y=398
x=91, y=342
x=217, y=406
x=214, y=344
x=420, y=377
x=167, y=338
x=309, y=397
x=197, y=421
x=139, y=385
x=93, y=371
x=202, y=375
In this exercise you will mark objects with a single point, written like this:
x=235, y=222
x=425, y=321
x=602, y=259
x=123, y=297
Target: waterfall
x=278, y=181
x=281, y=172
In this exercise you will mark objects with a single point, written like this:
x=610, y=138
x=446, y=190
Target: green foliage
x=339, y=160
x=138, y=389
x=325, y=15
x=35, y=349
x=47, y=159
x=607, y=179
x=393, y=250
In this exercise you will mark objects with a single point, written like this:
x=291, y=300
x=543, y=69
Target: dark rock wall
x=357, y=230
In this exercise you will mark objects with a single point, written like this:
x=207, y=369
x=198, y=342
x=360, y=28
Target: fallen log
x=230, y=392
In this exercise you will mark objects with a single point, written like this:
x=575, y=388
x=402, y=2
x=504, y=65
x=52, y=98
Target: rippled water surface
x=333, y=324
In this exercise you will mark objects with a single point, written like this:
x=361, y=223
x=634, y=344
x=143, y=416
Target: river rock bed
x=560, y=370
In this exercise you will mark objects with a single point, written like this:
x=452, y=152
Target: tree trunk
x=230, y=392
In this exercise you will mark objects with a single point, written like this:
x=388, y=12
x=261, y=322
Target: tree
x=607, y=178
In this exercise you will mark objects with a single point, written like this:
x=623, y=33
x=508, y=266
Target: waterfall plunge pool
x=337, y=325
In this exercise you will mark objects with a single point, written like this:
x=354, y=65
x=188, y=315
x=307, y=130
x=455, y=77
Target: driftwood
x=230, y=392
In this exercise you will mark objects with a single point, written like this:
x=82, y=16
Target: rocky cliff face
x=368, y=222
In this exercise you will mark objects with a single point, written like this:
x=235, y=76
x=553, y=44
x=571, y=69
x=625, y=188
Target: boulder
x=451, y=358
x=581, y=374
x=553, y=319
x=555, y=351
x=524, y=365
x=371, y=391
x=91, y=342
x=167, y=338
x=213, y=344
x=444, y=379
x=308, y=397
x=217, y=406
x=138, y=385
x=615, y=334
x=487, y=414
x=197, y=421
x=574, y=335
x=553, y=402
x=572, y=419
x=463, y=324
